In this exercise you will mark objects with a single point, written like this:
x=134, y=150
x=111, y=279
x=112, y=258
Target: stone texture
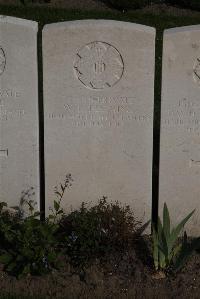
x=180, y=125
x=98, y=102
x=19, y=145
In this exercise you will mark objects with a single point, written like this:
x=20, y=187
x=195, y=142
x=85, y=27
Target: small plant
x=59, y=191
x=166, y=247
x=94, y=231
x=28, y=245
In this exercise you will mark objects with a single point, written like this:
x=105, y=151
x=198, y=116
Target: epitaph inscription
x=98, y=65
x=100, y=112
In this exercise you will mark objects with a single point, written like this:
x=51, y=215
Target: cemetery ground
x=95, y=252
x=119, y=275
x=127, y=271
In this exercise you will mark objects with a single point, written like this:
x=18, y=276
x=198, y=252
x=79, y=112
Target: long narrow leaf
x=166, y=222
x=161, y=238
x=176, y=231
x=155, y=248
x=161, y=246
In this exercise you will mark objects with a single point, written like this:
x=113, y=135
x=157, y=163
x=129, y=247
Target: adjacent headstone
x=180, y=125
x=19, y=142
x=98, y=104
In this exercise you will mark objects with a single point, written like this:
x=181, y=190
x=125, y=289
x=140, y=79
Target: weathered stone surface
x=98, y=102
x=19, y=149
x=180, y=125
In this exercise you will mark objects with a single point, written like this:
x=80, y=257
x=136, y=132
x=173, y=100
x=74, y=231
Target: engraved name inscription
x=100, y=112
x=184, y=118
x=98, y=65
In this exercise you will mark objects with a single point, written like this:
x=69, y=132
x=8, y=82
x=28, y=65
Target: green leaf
x=62, y=187
x=176, y=231
x=162, y=250
x=11, y=267
x=56, y=205
x=155, y=248
x=58, y=193
x=166, y=222
x=36, y=214
x=5, y=258
x=161, y=238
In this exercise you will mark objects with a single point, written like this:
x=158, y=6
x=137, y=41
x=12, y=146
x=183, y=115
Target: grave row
x=98, y=83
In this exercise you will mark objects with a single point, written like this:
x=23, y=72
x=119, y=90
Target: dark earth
x=98, y=5
x=120, y=275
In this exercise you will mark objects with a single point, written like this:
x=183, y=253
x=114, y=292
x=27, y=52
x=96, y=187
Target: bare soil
x=121, y=275
x=98, y=5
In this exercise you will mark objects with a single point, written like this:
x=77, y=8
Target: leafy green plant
x=30, y=246
x=94, y=231
x=166, y=247
x=59, y=191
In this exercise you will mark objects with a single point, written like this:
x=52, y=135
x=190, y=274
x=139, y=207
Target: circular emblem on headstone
x=98, y=65
x=2, y=61
x=196, y=71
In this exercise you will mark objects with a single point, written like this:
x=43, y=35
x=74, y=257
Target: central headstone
x=19, y=126
x=98, y=103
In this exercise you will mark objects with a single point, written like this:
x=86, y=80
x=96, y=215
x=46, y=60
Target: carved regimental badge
x=98, y=65
x=2, y=60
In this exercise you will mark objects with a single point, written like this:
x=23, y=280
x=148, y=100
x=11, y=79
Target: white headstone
x=98, y=102
x=180, y=125
x=19, y=144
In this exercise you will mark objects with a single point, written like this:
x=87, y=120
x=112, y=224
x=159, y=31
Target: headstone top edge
x=98, y=22
x=182, y=29
x=19, y=21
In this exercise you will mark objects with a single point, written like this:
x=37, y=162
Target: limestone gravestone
x=180, y=125
x=98, y=102
x=19, y=149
